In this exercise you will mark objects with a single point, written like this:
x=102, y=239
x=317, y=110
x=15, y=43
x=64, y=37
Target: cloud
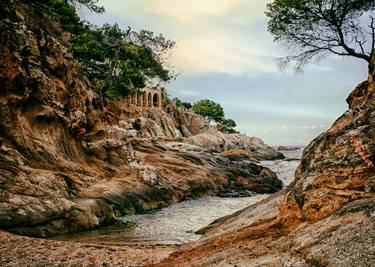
x=193, y=12
x=212, y=52
x=239, y=12
x=188, y=11
x=211, y=35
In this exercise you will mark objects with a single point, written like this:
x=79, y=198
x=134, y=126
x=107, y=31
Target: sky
x=224, y=53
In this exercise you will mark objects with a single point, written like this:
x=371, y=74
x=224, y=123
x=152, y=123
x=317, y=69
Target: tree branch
x=360, y=44
x=341, y=37
x=351, y=51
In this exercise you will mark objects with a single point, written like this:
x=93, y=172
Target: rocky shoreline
x=42, y=252
x=324, y=218
x=67, y=164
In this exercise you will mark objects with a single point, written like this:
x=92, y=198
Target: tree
x=64, y=11
x=186, y=105
x=209, y=109
x=227, y=126
x=118, y=62
x=313, y=29
x=89, y=4
x=182, y=104
x=121, y=62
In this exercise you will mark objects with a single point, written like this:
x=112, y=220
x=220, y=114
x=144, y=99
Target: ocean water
x=178, y=223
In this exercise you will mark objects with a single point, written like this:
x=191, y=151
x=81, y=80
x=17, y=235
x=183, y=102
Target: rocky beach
x=137, y=240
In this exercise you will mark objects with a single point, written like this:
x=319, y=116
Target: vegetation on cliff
x=182, y=104
x=214, y=112
x=121, y=62
x=227, y=126
x=118, y=62
x=209, y=109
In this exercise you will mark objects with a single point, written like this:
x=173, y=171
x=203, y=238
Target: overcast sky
x=225, y=53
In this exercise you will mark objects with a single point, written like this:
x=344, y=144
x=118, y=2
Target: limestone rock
x=117, y=133
x=125, y=125
x=220, y=142
x=159, y=126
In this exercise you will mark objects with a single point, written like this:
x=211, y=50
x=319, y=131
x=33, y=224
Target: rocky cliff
x=66, y=164
x=326, y=217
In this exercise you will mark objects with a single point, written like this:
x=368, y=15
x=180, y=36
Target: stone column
x=150, y=100
x=159, y=106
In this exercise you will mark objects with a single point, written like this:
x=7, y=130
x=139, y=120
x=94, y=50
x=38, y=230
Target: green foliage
x=227, y=126
x=64, y=11
x=181, y=104
x=212, y=111
x=120, y=62
x=187, y=105
x=57, y=6
x=315, y=29
x=209, y=109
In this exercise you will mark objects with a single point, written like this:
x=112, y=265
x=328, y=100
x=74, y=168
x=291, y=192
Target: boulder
x=220, y=142
x=125, y=125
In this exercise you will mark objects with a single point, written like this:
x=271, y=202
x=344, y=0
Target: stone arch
x=156, y=100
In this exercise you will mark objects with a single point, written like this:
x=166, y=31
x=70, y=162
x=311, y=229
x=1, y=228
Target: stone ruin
x=149, y=98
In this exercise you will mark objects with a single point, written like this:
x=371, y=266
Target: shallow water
x=285, y=168
x=176, y=224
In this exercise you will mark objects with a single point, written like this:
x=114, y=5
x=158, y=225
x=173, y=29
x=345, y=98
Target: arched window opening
x=156, y=100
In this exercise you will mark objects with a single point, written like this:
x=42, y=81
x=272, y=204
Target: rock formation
x=219, y=142
x=326, y=217
x=66, y=164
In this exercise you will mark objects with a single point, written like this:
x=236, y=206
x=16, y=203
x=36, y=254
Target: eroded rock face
x=219, y=142
x=66, y=164
x=339, y=164
x=169, y=123
x=193, y=171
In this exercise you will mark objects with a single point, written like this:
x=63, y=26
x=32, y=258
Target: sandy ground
x=24, y=251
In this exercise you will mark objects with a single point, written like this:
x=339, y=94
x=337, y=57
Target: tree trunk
x=372, y=65
x=371, y=69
